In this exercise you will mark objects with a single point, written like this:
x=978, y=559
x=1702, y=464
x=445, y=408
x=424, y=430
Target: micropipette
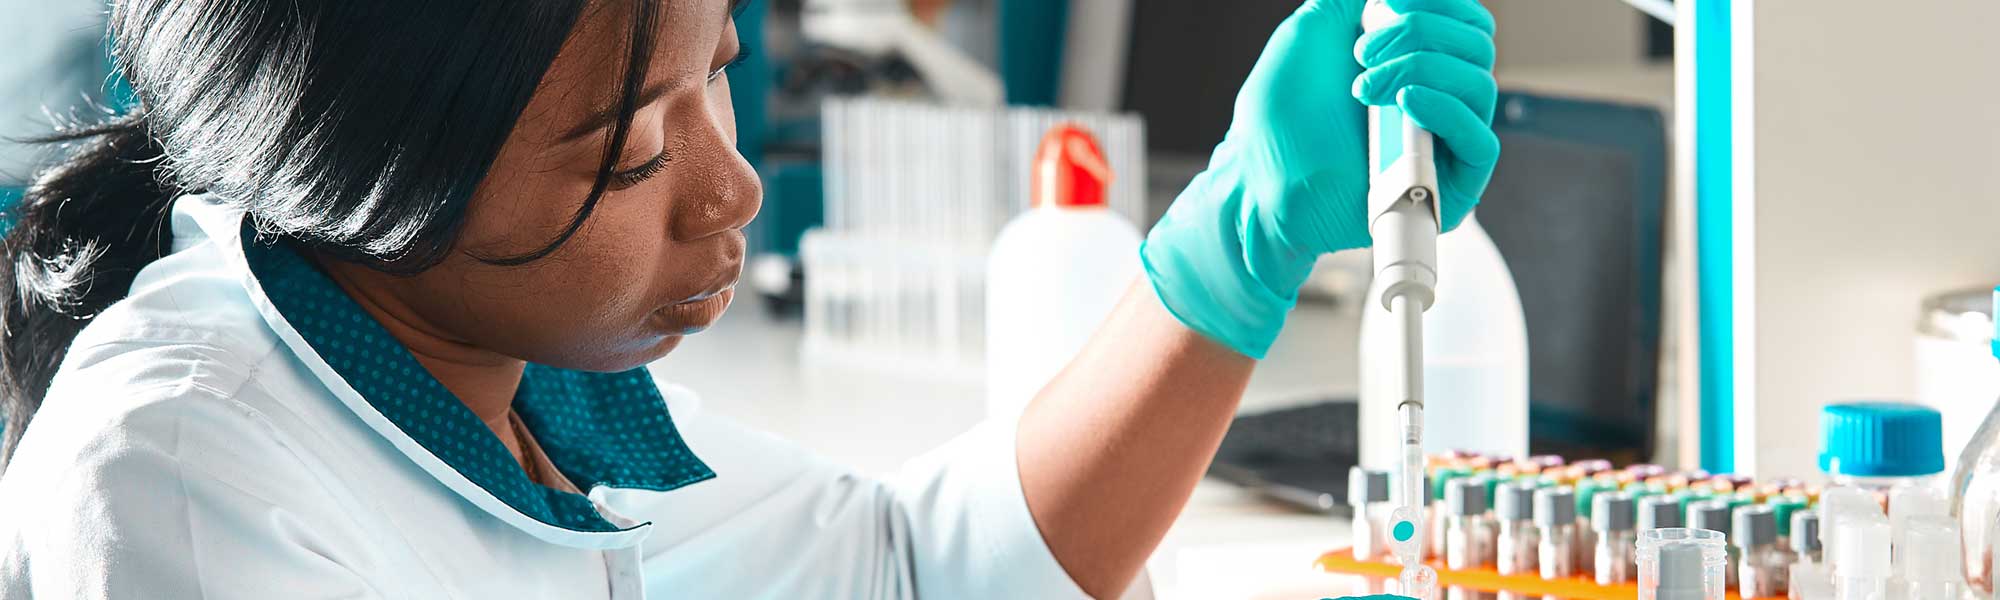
x=1403, y=218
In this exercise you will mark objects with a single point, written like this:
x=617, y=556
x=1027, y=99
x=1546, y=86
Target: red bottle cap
x=1069, y=170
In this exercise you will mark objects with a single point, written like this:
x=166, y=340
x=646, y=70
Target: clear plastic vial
x=1612, y=515
x=1555, y=514
x=1713, y=515
x=1862, y=570
x=1368, y=495
x=1928, y=559
x=1519, y=539
x=1469, y=536
x=1765, y=567
x=1809, y=577
x=1681, y=564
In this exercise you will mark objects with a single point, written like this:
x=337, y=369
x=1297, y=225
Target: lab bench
x=1228, y=543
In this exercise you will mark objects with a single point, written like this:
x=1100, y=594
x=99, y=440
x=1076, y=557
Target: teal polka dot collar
x=599, y=429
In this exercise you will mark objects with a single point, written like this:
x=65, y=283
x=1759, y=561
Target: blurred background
x=1710, y=219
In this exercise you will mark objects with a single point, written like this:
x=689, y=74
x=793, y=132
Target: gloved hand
x=1289, y=182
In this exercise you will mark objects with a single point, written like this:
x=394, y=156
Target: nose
x=722, y=193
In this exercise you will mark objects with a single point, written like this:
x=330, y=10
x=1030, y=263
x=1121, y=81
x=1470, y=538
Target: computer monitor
x=1577, y=209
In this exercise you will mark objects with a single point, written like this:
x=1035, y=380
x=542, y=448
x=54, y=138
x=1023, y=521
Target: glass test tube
x=1586, y=535
x=1764, y=568
x=1439, y=482
x=1555, y=514
x=1681, y=564
x=1519, y=540
x=1368, y=494
x=1611, y=515
x=1713, y=515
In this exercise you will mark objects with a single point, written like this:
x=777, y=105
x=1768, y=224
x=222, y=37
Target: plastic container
x=1956, y=373
x=1055, y=271
x=1862, y=571
x=1681, y=564
x=1927, y=559
x=1475, y=359
x=1975, y=495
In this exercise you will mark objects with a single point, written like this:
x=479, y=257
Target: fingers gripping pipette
x=1403, y=219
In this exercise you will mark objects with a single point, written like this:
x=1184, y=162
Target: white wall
x=1544, y=33
x=1868, y=159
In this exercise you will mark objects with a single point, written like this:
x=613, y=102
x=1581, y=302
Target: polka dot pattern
x=607, y=429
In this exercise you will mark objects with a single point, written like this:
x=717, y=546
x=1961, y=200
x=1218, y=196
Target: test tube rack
x=1582, y=587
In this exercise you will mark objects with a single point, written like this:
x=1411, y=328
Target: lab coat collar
x=599, y=429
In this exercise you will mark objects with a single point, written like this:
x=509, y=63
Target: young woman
x=355, y=303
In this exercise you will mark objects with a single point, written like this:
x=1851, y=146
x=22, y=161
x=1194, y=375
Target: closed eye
x=637, y=175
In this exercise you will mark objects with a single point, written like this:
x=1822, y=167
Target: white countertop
x=1227, y=543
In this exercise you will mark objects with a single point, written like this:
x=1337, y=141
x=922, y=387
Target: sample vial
x=1861, y=566
x=1681, y=564
x=1809, y=578
x=1837, y=505
x=1611, y=515
x=1659, y=512
x=1765, y=566
x=1586, y=536
x=1929, y=558
x=1879, y=446
x=1469, y=535
x=1555, y=515
x=1519, y=539
x=1368, y=494
x=1713, y=515
x=1439, y=481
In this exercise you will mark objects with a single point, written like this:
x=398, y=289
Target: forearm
x=1110, y=450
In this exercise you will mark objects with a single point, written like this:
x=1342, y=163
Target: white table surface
x=1228, y=543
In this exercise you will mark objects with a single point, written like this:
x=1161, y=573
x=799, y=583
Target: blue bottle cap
x=1881, y=439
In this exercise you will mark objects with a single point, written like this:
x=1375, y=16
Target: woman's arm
x=1109, y=451
x=1113, y=446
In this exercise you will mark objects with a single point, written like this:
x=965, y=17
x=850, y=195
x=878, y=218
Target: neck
x=483, y=380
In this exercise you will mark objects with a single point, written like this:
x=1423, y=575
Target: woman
x=356, y=303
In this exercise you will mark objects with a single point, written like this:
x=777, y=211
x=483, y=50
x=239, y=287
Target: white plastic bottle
x=1475, y=359
x=1055, y=271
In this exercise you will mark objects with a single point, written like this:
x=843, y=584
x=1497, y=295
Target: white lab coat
x=193, y=447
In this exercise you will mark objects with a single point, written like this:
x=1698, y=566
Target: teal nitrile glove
x=1289, y=182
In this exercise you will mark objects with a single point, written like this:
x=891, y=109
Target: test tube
x=1659, y=512
x=1861, y=567
x=1519, y=540
x=1713, y=515
x=1765, y=566
x=1440, y=481
x=1368, y=493
x=1586, y=535
x=1929, y=558
x=1809, y=577
x=1469, y=535
x=1555, y=514
x=1611, y=516
x=1681, y=564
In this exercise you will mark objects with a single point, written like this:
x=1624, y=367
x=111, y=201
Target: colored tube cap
x=1612, y=512
x=1996, y=322
x=1515, y=501
x=1754, y=526
x=1659, y=512
x=1555, y=506
x=1805, y=532
x=1712, y=515
x=1465, y=497
x=1881, y=439
x=1365, y=486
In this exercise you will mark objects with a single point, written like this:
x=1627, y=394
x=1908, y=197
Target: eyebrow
x=605, y=116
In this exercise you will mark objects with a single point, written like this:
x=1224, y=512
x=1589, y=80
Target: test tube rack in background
x=915, y=194
x=1762, y=539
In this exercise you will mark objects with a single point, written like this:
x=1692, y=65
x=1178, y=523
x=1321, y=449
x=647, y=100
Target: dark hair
x=358, y=129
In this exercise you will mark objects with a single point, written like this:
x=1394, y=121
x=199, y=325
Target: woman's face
x=659, y=256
